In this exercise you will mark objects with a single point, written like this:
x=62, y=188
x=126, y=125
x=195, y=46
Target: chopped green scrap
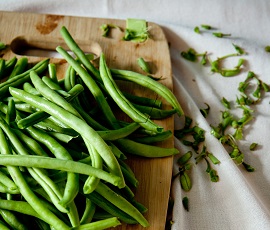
x=136, y=30
x=107, y=27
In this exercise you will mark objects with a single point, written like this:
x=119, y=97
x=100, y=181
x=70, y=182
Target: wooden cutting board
x=38, y=35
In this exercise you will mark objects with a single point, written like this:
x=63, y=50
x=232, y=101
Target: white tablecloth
x=240, y=200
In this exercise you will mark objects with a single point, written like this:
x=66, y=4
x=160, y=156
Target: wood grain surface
x=38, y=34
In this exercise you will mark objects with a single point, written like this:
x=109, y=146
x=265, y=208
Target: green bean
x=26, y=191
x=42, y=225
x=49, y=126
x=3, y=226
x=52, y=72
x=91, y=182
x=19, y=67
x=121, y=203
x=111, y=135
x=2, y=68
x=130, y=177
x=11, y=112
x=116, y=151
x=6, y=66
x=143, y=100
x=78, y=52
x=89, y=212
x=153, y=139
x=5, y=189
x=77, y=124
x=144, y=150
x=155, y=113
x=143, y=65
x=101, y=202
x=121, y=101
x=20, y=207
x=69, y=79
x=151, y=84
x=23, y=77
x=12, y=220
x=6, y=181
x=10, y=64
x=51, y=83
x=92, y=86
x=99, y=225
x=58, y=164
x=24, y=107
x=28, y=87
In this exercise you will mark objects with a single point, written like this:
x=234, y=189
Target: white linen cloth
x=240, y=200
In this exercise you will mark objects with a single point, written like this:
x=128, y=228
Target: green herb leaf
x=238, y=49
x=205, y=112
x=207, y=27
x=197, y=30
x=248, y=167
x=267, y=48
x=185, y=203
x=190, y=55
x=253, y=146
x=226, y=103
x=220, y=35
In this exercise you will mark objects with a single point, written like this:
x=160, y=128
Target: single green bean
x=78, y=52
x=3, y=226
x=6, y=181
x=51, y=83
x=19, y=67
x=58, y=164
x=6, y=66
x=155, y=113
x=2, y=68
x=96, y=161
x=143, y=100
x=155, y=138
x=11, y=112
x=28, y=87
x=121, y=203
x=23, y=77
x=145, y=81
x=89, y=211
x=52, y=72
x=144, y=150
x=122, y=102
x=111, y=135
x=77, y=124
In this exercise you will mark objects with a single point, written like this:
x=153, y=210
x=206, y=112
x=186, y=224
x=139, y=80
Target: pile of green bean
x=62, y=155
